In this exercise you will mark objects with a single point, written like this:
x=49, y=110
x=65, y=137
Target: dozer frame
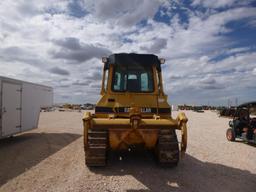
x=133, y=117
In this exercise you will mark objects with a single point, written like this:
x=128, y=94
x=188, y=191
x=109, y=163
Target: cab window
x=132, y=79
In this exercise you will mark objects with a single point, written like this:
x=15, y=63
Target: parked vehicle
x=133, y=111
x=20, y=105
x=227, y=112
x=243, y=125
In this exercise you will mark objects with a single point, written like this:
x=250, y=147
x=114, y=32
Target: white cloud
x=215, y=80
x=40, y=40
x=206, y=35
x=254, y=71
x=237, y=50
x=156, y=45
x=124, y=13
x=75, y=51
x=219, y=3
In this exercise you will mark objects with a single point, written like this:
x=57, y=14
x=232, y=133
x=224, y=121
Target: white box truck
x=20, y=105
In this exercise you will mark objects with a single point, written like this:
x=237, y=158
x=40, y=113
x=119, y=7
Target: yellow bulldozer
x=133, y=111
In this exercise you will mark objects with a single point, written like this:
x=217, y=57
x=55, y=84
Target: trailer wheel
x=230, y=134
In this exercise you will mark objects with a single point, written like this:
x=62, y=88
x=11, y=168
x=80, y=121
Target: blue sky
x=209, y=46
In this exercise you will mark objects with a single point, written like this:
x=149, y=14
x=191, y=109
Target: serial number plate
x=143, y=110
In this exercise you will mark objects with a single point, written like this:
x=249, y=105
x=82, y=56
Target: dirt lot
x=51, y=158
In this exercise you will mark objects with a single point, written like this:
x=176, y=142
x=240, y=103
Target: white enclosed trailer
x=20, y=105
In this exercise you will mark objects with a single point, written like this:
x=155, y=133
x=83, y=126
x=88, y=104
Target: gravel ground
x=51, y=158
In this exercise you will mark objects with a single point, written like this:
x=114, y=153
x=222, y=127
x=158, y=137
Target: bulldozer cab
x=132, y=72
x=132, y=80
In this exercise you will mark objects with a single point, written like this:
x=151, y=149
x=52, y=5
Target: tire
x=230, y=135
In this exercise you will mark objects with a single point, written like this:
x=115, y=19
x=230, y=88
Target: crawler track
x=167, y=149
x=96, y=150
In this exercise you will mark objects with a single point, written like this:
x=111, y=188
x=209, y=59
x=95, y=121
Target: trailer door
x=11, y=109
